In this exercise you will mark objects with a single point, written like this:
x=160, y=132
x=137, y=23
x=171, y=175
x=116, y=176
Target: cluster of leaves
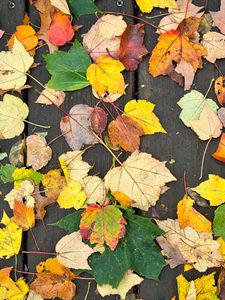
x=104, y=236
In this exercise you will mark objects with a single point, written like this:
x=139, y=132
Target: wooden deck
x=180, y=146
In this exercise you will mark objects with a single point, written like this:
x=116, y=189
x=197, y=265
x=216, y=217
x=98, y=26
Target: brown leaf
x=124, y=131
x=221, y=284
x=40, y=203
x=132, y=47
x=98, y=120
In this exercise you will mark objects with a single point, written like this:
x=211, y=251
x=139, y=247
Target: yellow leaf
x=222, y=248
x=53, y=265
x=123, y=199
x=53, y=182
x=10, y=238
x=188, y=216
x=212, y=189
x=23, y=215
x=13, y=112
x=72, y=195
x=13, y=66
x=141, y=111
x=105, y=76
x=22, y=174
x=187, y=267
x=148, y=5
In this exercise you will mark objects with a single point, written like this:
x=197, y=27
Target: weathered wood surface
x=180, y=146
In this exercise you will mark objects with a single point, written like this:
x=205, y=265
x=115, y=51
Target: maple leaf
x=10, y=290
x=10, y=238
x=128, y=281
x=53, y=183
x=105, y=75
x=220, y=152
x=26, y=35
x=102, y=225
x=220, y=89
x=218, y=17
x=174, y=45
x=192, y=105
x=199, y=289
x=214, y=43
x=60, y=31
x=13, y=65
x=132, y=47
x=82, y=7
x=68, y=69
x=21, y=174
x=13, y=112
x=141, y=177
x=198, y=249
x=56, y=97
x=61, y=5
x=23, y=215
x=212, y=190
x=76, y=127
x=54, y=280
x=94, y=188
x=188, y=216
x=136, y=251
x=148, y=5
x=72, y=252
x=70, y=223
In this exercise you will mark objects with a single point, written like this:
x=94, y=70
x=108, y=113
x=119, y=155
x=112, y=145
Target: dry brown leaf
x=57, y=97
x=187, y=71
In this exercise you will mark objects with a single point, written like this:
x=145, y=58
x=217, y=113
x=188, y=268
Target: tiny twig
x=209, y=88
x=203, y=158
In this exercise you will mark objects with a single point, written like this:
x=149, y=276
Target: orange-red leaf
x=220, y=89
x=23, y=215
x=26, y=35
x=220, y=152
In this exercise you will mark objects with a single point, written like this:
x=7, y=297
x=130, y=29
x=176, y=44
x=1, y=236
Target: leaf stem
x=35, y=241
x=203, y=158
x=40, y=252
x=209, y=88
x=37, y=125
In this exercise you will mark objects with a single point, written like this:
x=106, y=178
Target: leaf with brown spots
x=220, y=89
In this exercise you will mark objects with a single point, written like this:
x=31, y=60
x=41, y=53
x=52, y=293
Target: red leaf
x=98, y=120
x=132, y=47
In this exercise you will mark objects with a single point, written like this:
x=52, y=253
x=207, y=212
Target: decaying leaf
x=10, y=237
x=220, y=152
x=77, y=127
x=102, y=225
x=141, y=178
x=13, y=65
x=214, y=43
x=72, y=252
x=13, y=112
x=17, y=153
x=148, y=5
x=38, y=152
x=21, y=174
x=53, y=183
x=57, y=97
x=23, y=215
x=40, y=203
x=98, y=120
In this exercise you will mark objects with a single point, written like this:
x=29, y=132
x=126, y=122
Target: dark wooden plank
x=97, y=156
x=180, y=144
x=10, y=17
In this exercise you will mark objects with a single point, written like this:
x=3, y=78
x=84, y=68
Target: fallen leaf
x=94, y=189
x=98, y=120
x=187, y=71
x=53, y=183
x=72, y=195
x=82, y=7
x=61, y=5
x=13, y=65
x=34, y=296
x=17, y=153
x=192, y=105
x=125, y=132
x=38, y=152
x=188, y=216
x=77, y=127
x=10, y=237
x=3, y=155
x=2, y=32
x=102, y=225
x=60, y=31
x=208, y=125
x=105, y=75
x=13, y=112
x=73, y=166
x=132, y=47
x=23, y=216
x=141, y=178
x=221, y=115
x=214, y=43
x=128, y=281
x=212, y=190
x=219, y=222
x=72, y=252
x=21, y=174
x=218, y=17
x=56, y=97
x=40, y=203
x=206, y=23
x=6, y=172
x=104, y=37
x=220, y=152
x=198, y=249
x=26, y=35
x=220, y=89
x=148, y=5
x=220, y=284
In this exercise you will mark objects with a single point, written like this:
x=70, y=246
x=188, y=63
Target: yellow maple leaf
x=188, y=216
x=148, y=5
x=10, y=238
x=141, y=111
x=105, y=76
x=72, y=195
x=212, y=189
x=54, y=266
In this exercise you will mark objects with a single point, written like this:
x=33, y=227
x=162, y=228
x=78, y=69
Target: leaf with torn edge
x=148, y=5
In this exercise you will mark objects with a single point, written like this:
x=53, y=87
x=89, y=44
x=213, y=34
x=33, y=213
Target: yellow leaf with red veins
x=105, y=75
x=102, y=225
x=23, y=215
x=148, y=5
x=188, y=216
x=26, y=35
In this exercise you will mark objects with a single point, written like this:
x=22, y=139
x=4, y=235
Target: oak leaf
x=141, y=178
x=214, y=43
x=23, y=215
x=220, y=152
x=13, y=65
x=13, y=112
x=26, y=35
x=105, y=75
x=148, y=5
x=102, y=225
x=53, y=183
x=72, y=252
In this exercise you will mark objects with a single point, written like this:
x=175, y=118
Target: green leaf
x=82, y=7
x=6, y=172
x=68, y=69
x=21, y=174
x=219, y=222
x=70, y=223
x=136, y=251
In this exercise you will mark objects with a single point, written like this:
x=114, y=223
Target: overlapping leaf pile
x=105, y=236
